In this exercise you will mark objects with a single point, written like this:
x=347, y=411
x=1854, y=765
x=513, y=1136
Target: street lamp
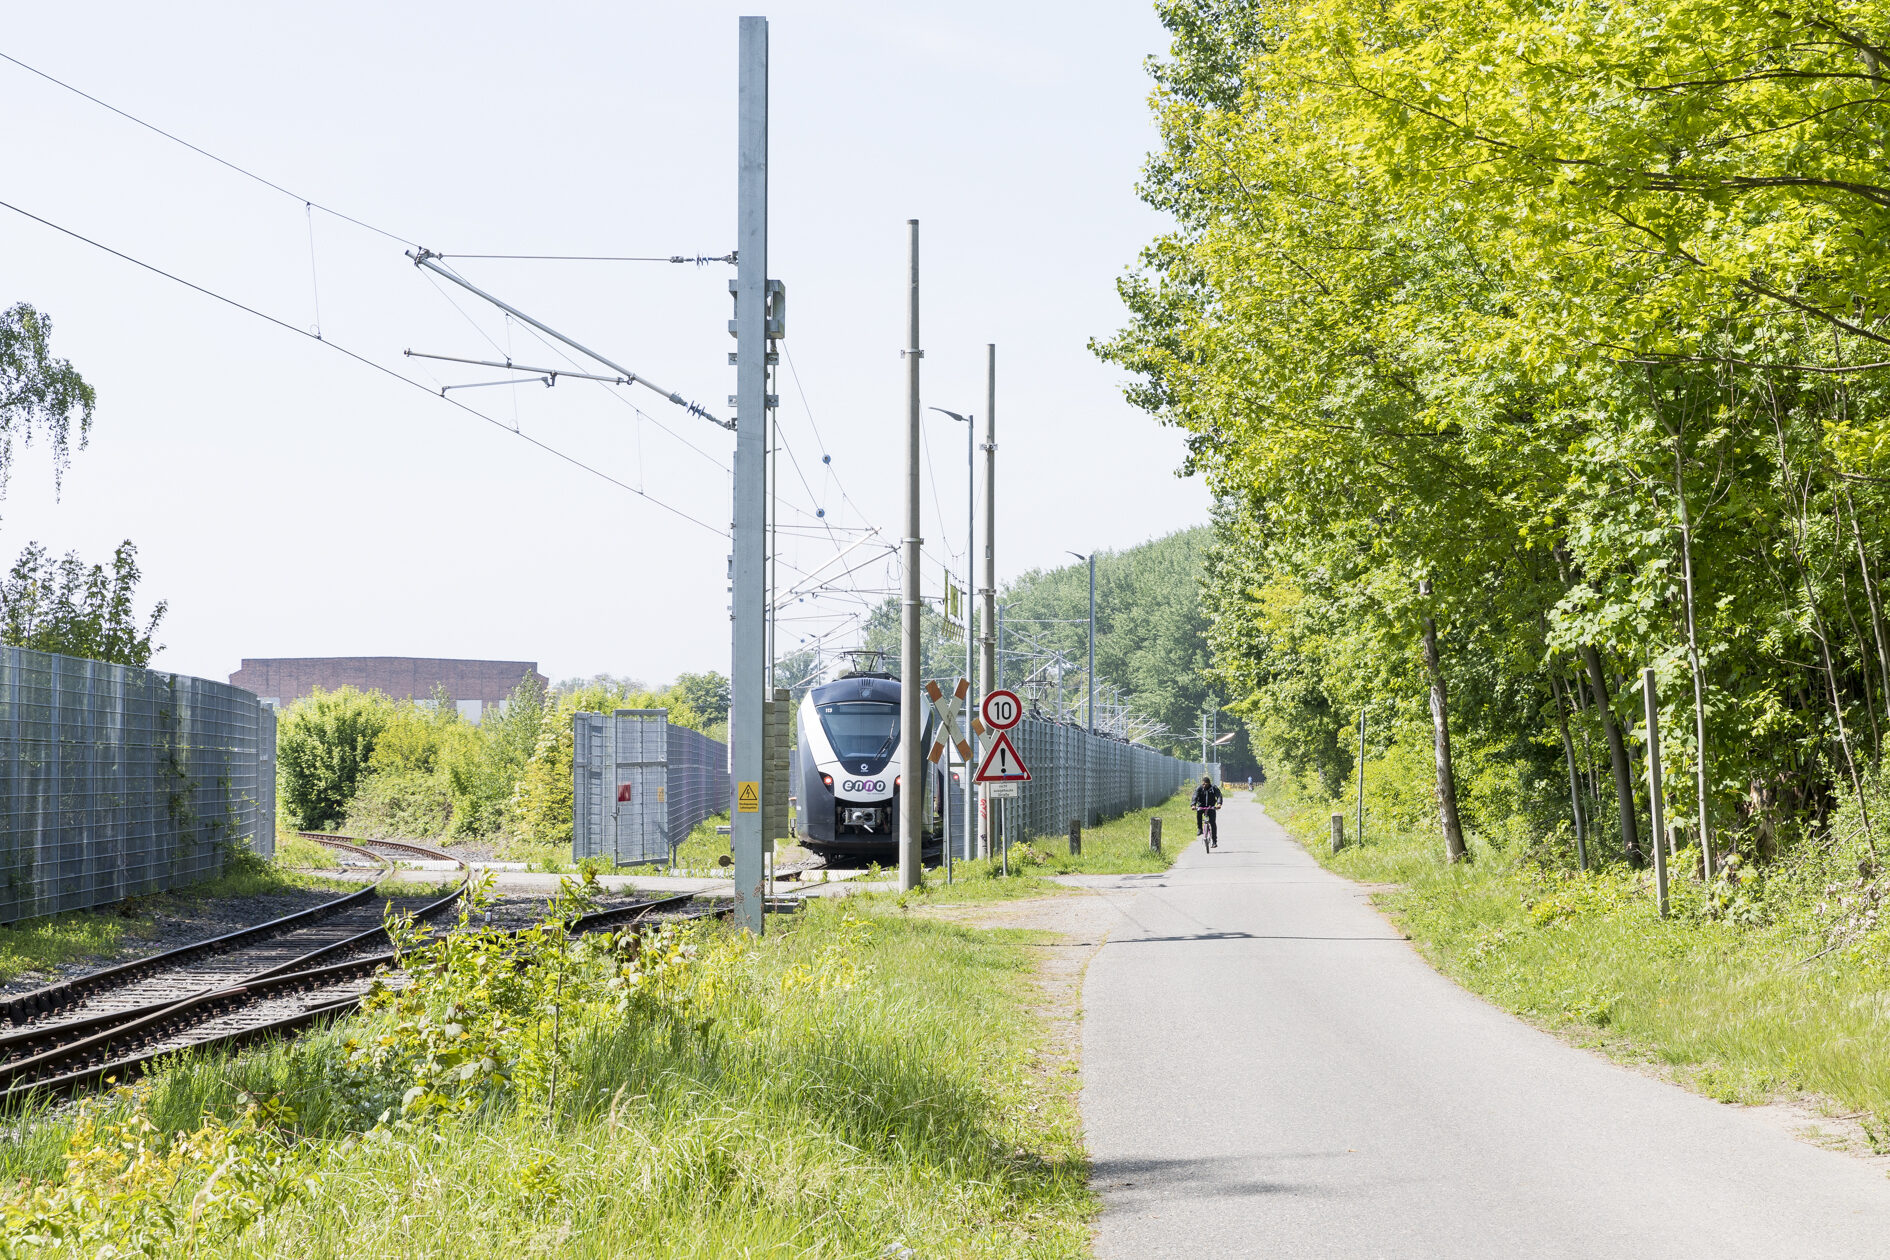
x=1089, y=708
x=970, y=840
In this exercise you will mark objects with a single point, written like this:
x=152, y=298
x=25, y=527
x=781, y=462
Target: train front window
x=861, y=730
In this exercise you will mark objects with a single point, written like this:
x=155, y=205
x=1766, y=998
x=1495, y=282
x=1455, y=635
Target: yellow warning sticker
x=748, y=796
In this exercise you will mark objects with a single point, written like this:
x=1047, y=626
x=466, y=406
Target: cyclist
x=1207, y=804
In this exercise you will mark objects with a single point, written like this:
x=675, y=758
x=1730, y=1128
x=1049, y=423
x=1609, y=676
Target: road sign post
x=946, y=705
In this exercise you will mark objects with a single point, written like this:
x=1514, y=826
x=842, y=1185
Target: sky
x=289, y=497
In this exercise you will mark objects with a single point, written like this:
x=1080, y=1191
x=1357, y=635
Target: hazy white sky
x=289, y=501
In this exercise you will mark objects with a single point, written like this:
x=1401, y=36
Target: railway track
x=321, y=984
x=108, y=1007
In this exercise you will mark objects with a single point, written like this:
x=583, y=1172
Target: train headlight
x=826, y=781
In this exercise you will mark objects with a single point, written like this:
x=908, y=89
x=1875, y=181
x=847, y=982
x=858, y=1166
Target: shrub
x=323, y=748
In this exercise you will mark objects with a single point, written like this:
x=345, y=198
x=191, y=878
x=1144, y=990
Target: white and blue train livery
x=850, y=771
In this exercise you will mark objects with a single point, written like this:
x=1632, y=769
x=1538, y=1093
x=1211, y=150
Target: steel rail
x=127, y=1049
x=42, y=1036
x=24, y=1008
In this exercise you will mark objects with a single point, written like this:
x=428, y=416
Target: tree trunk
x=1870, y=597
x=1440, y=726
x=1574, y=786
x=1617, y=753
x=1693, y=659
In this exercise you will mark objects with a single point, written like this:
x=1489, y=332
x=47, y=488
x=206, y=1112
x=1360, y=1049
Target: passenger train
x=848, y=799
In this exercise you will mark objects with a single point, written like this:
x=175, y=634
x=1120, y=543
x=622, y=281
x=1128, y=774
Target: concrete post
x=1076, y=837
x=987, y=625
x=1155, y=833
x=1338, y=832
x=912, y=762
x=749, y=665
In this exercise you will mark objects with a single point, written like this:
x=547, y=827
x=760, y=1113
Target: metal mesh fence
x=639, y=785
x=1121, y=777
x=117, y=781
x=698, y=780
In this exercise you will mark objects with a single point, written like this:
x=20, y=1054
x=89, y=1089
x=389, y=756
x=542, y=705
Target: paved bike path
x=1269, y=1070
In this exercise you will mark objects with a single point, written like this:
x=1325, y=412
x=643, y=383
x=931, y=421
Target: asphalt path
x=1270, y=1070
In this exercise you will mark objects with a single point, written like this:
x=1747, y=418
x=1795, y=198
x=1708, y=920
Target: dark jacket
x=1207, y=796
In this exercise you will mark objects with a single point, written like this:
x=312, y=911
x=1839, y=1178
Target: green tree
x=1571, y=317
x=77, y=609
x=324, y=748
x=40, y=395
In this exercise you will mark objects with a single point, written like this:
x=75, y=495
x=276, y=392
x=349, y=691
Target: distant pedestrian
x=1207, y=805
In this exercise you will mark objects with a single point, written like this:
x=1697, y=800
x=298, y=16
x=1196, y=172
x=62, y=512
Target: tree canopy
x=1559, y=328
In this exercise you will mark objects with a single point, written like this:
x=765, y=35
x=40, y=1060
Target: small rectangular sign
x=748, y=796
x=992, y=790
x=623, y=794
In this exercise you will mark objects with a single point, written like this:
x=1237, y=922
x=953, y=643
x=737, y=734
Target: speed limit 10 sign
x=1001, y=710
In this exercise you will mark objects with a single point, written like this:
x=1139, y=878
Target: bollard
x=1155, y=833
x=1076, y=838
x=1338, y=832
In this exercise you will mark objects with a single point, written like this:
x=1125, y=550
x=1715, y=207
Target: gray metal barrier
x=1121, y=777
x=639, y=785
x=698, y=780
x=117, y=781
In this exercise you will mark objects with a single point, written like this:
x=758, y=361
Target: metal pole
x=1361, y=776
x=1089, y=712
x=945, y=801
x=1654, y=802
x=748, y=668
x=988, y=627
x=911, y=757
x=971, y=674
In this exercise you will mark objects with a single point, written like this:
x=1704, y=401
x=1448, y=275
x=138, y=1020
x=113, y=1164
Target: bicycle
x=1204, y=827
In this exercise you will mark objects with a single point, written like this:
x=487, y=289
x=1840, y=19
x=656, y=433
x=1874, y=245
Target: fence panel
x=1121, y=777
x=639, y=785
x=117, y=781
x=698, y=780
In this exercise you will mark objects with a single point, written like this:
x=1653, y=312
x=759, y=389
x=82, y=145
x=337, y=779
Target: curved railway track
x=269, y=996
x=109, y=1007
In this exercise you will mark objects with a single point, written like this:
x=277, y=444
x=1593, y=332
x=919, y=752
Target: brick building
x=280, y=681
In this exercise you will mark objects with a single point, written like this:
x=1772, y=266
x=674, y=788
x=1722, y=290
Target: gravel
x=164, y=923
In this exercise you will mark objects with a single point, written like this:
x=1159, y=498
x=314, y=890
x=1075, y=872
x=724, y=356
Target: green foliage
x=131, y=1189
x=68, y=607
x=1574, y=317
x=39, y=395
x=324, y=746
x=878, y=1073
x=1151, y=639
x=540, y=803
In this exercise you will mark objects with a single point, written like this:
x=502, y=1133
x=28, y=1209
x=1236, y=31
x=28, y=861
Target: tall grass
x=842, y=1096
x=1735, y=990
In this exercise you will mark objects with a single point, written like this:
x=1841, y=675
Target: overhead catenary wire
x=641, y=414
x=423, y=257
x=203, y=152
x=573, y=460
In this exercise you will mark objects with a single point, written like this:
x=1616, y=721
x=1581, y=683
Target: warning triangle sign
x=1002, y=764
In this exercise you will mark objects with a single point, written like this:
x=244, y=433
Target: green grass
x=1117, y=847
x=297, y=853
x=704, y=847
x=900, y=1106
x=38, y=944
x=1726, y=992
